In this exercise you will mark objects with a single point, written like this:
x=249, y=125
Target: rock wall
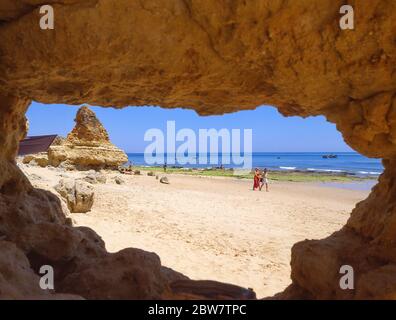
x=367, y=243
x=216, y=57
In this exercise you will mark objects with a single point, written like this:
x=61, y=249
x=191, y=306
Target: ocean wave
x=374, y=173
x=288, y=168
x=326, y=170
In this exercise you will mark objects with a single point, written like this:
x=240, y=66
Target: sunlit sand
x=213, y=228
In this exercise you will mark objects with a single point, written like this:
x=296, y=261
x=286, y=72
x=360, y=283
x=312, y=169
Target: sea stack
x=87, y=146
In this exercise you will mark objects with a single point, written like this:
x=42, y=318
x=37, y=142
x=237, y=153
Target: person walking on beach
x=264, y=180
x=256, y=179
x=165, y=165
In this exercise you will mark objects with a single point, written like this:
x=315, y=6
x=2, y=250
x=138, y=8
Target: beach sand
x=212, y=227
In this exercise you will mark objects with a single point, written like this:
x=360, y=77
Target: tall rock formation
x=87, y=146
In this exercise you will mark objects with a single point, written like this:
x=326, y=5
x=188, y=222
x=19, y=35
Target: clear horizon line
x=327, y=151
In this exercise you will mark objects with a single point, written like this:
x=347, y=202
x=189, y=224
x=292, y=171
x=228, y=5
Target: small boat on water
x=329, y=156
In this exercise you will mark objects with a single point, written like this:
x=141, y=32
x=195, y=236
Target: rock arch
x=214, y=57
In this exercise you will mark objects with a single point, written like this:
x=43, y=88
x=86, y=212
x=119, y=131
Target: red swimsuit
x=256, y=183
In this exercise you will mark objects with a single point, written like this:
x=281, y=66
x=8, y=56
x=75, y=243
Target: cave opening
x=214, y=58
x=194, y=216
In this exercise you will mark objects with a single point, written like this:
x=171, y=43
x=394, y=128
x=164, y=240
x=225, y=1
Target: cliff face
x=218, y=57
x=87, y=146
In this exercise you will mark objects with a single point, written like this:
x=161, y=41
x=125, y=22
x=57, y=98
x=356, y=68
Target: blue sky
x=271, y=131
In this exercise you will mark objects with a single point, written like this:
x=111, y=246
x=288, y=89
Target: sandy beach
x=212, y=227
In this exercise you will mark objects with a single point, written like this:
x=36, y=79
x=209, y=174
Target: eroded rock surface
x=78, y=194
x=95, y=177
x=17, y=280
x=215, y=57
x=164, y=180
x=190, y=289
x=119, y=180
x=137, y=274
x=39, y=159
x=87, y=146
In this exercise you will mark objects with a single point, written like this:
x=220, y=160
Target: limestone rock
x=52, y=243
x=40, y=159
x=88, y=130
x=119, y=180
x=27, y=206
x=137, y=274
x=95, y=177
x=17, y=279
x=87, y=146
x=58, y=141
x=70, y=222
x=63, y=247
x=33, y=176
x=79, y=195
x=172, y=275
x=365, y=243
x=164, y=180
x=204, y=289
x=90, y=178
x=101, y=177
x=378, y=284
